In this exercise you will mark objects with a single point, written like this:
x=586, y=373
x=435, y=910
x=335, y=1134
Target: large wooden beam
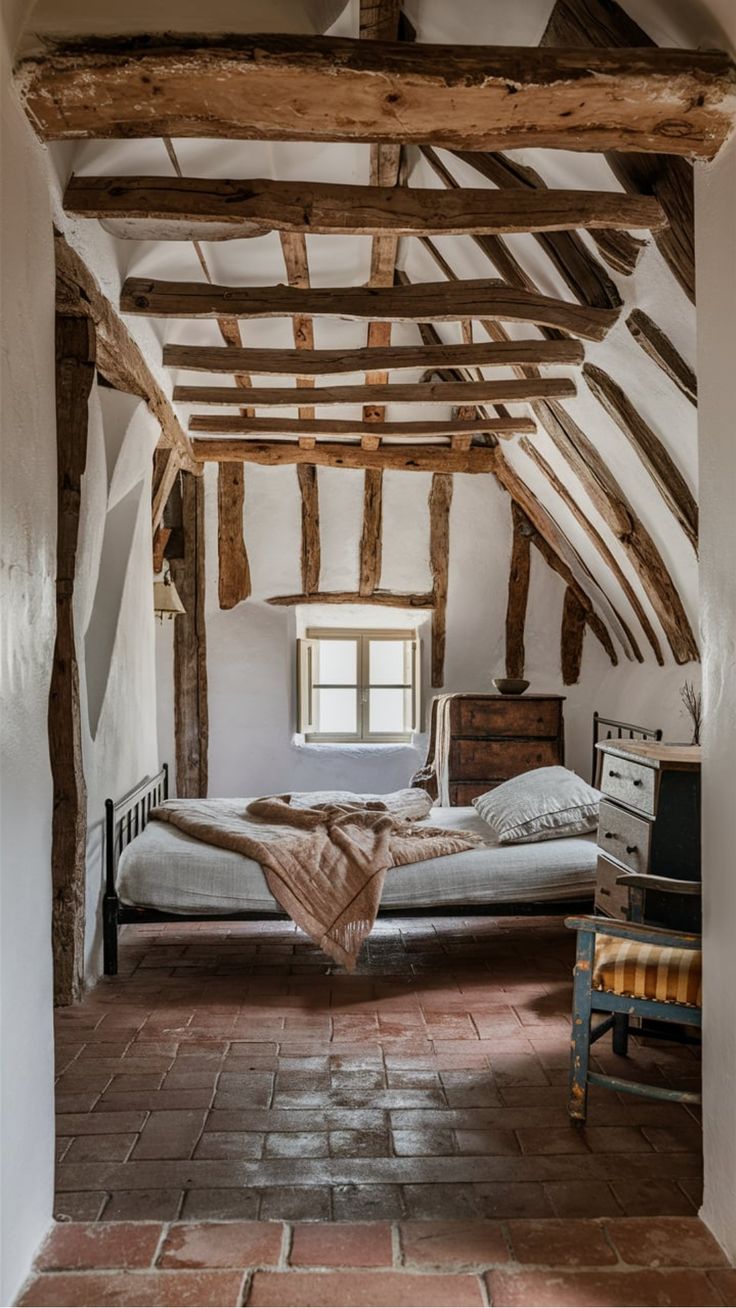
x=387, y=598
x=402, y=458
x=518, y=595
x=233, y=568
x=654, y=456
x=327, y=89
x=440, y=500
x=324, y=363
x=659, y=347
x=572, y=636
x=311, y=550
x=216, y=209
x=594, y=535
x=620, y=249
x=371, y=539
x=118, y=357
x=75, y=373
x=255, y=427
x=603, y=23
x=421, y=302
x=191, y=717
x=493, y=392
x=166, y=466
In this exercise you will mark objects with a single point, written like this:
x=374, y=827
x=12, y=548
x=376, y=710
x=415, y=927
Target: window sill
x=353, y=746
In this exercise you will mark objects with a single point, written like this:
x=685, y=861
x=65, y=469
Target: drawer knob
x=631, y=849
x=638, y=781
x=610, y=835
x=614, y=774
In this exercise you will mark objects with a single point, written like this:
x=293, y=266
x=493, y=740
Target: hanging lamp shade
x=166, y=601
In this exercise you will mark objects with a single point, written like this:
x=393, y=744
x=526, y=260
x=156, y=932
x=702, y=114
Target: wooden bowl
x=510, y=685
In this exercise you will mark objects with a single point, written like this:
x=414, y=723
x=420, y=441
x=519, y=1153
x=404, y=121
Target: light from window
x=358, y=685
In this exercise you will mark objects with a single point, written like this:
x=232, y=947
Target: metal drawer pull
x=631, y=849
x=615, y=774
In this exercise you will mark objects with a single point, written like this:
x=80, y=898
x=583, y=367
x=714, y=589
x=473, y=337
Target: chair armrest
x=668, y=885
x=648, y=935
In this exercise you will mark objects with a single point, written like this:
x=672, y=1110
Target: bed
x=156, y=872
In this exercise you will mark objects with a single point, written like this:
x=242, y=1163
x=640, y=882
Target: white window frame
x=306, y=685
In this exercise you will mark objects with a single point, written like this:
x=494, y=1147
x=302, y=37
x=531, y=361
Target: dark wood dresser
x=492, y=738
x=649, y=823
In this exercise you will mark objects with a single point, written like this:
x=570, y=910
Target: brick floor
x=231, y=1081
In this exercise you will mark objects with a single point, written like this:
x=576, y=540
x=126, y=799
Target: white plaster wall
x=28, y=522
x=716, y=275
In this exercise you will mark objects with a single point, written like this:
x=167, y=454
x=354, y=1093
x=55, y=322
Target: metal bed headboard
x=125, y=819
x=612, y=729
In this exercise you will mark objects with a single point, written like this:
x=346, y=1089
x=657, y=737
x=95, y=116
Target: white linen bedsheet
x=167, y=870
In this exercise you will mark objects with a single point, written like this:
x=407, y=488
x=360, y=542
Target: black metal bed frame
x=126, y=818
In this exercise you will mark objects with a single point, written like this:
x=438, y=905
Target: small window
x=358, y=685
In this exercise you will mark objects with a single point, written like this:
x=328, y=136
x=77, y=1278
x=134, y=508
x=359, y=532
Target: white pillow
x=545, y=804
x=410, y=804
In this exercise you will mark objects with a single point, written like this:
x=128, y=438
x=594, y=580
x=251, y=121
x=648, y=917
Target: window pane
x=387, y=662
x=337, y=662
x=336, y=712
x=388, y=713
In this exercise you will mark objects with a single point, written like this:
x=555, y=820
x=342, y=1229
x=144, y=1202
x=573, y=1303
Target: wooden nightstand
x=649, y=823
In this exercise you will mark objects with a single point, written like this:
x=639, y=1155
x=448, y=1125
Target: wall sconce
x=166, y=601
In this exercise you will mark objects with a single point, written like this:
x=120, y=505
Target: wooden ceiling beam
x=227, y=425
x=325, y=363
x=400, y=458
x=271, y=87
x=388, y=598
x=419, y=302
x=659, y=347
x=215, y=209
x=510, y=391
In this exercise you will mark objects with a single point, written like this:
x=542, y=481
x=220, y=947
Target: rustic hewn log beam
x=166, y=466
x=582, y=272
x=215, y=209
x=616, y=511
x=420, y=302
x=371, y=535
x=118, y=357
x=659, y=347
x=518, y=595
x=402, y=458
x=662, y=468
x=327, y=89
x=255, y=427
x=594, y=535
x=296, y=262
x=388, y=598
x=492, y=392
x=603, y=23
x=191, y=718
x=440, y=500
x=325, y=363
x=234, y=571
x=572, y=635
x=311, y=545
x=75, y=374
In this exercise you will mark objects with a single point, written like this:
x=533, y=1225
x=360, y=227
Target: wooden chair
x=631, y=969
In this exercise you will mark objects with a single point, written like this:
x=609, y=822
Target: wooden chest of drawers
x=492, y=738
x=649, y=823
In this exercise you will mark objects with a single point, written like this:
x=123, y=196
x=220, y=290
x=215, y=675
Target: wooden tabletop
x=657, y=752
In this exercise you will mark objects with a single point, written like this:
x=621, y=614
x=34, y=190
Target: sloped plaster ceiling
x=346, y=261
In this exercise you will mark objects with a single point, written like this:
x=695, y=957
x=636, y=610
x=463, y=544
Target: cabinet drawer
x=624, y=836
x=631, y=782
x=471, y=759
x=462, y=793
x=610, y=899
x=506, y=717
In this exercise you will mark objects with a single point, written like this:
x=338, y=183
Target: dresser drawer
x=506, y=717
x=610, y=899
x=629, y=781
x=472, y=759
x=624, y=836
x=462, y=793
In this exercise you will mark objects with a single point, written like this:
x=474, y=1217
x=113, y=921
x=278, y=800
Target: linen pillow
x=409, y=805
x=544, y=804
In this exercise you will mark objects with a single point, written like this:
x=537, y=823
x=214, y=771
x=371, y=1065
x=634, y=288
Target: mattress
x=167, y=870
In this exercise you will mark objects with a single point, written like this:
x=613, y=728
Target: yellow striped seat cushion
x=628, y=967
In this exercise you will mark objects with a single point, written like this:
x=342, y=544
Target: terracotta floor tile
x=566, y=1242
x=107, y=1148
x=432, y=1143
x=488, y=1140
x=220, y=1204
x=85, y=1206
x=295, y=1204
x=229, y=1144
x=79, y=1246
x=475, y=1244
x=359, y=1144
x=342, y=1244
x=222, y=1244
x=725, y=1283
x=76, y=1124
x=351, y=1289
x=562, y=1289
x=665, y=1242
x=142, y=1206
x=616, y=1139
x=553, y=1140
x=178, y=1289
x=582, y=1199
x=169, y=1135
x=644, y=1198
x=367, y=1203
x=296, y=1144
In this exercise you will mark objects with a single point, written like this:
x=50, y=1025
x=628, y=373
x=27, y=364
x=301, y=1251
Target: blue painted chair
x=625, y=970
